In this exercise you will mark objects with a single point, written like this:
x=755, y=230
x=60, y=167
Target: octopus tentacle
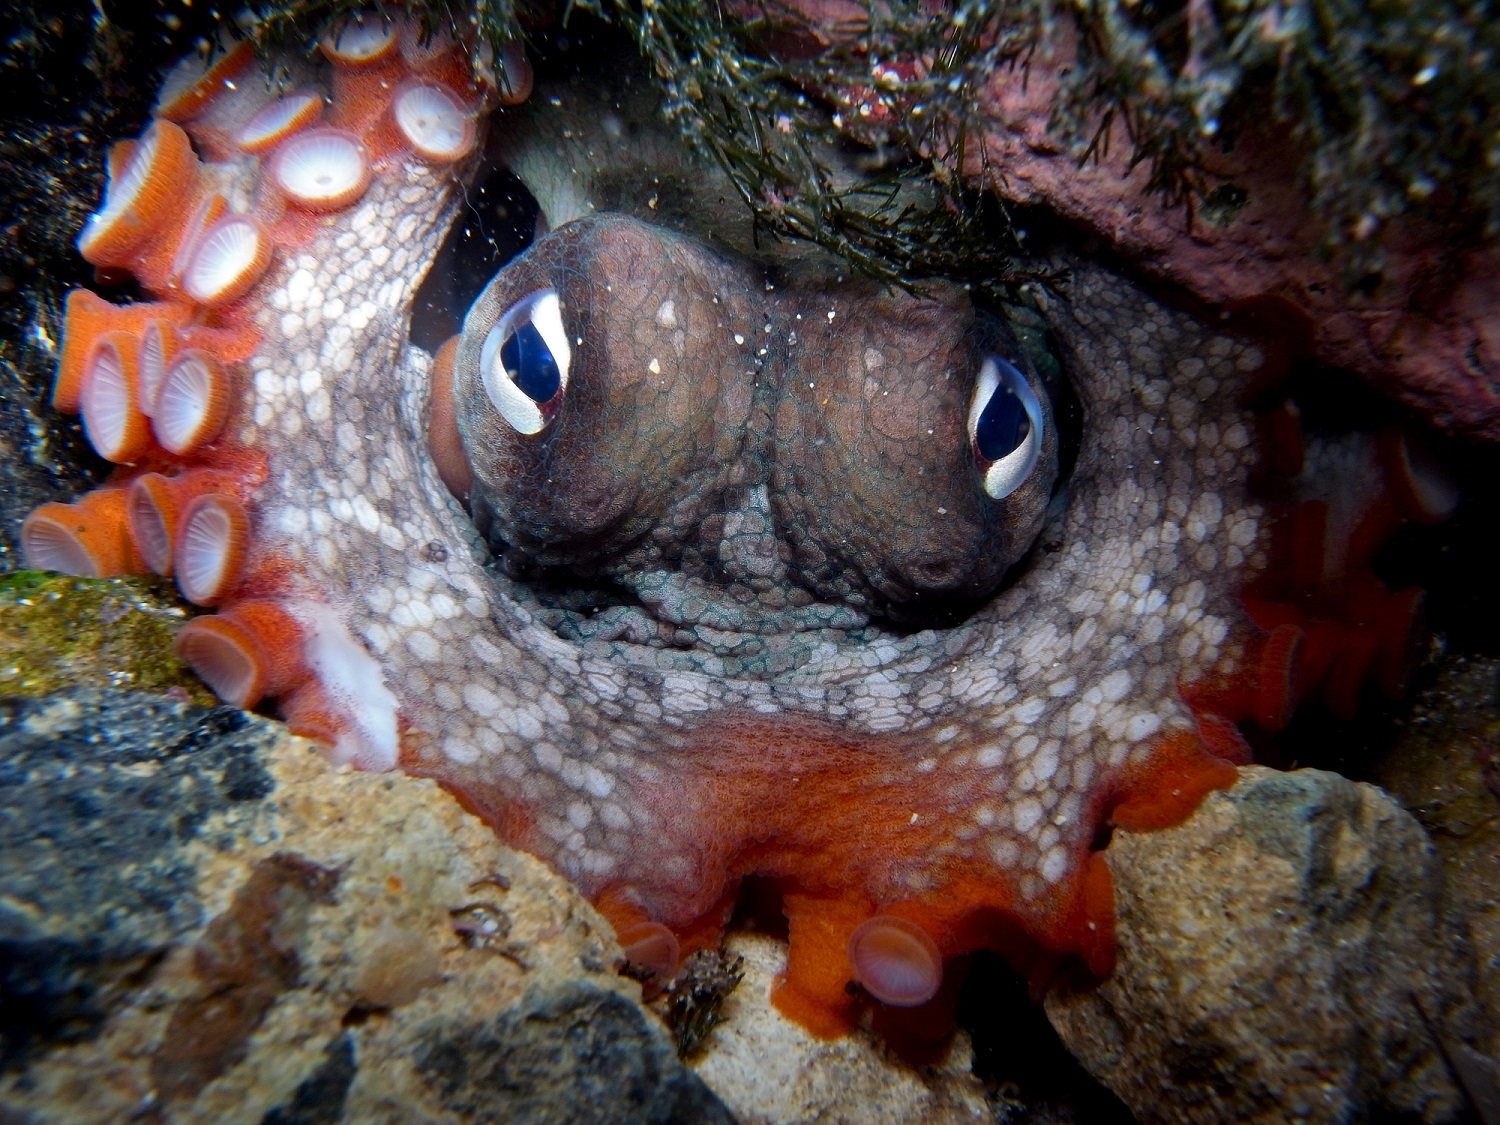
x=912, y=795
x=244, y=255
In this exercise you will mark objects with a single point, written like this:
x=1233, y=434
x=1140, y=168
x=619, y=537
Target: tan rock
x=770, y=1071
x=1281, y=957
x=285, y=941
x=338, y=946
x=203, y=921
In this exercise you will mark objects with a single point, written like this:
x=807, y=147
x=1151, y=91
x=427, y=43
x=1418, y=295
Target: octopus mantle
x=911, y=798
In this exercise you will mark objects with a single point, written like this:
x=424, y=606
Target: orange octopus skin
x=952, y=782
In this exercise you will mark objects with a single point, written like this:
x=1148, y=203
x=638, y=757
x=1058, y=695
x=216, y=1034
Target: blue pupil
x=529, y=363
x=1004, y=422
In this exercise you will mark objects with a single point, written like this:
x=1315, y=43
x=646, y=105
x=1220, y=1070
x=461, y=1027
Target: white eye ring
x=1004, y=476
x=543, y=311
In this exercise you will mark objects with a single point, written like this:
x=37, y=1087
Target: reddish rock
x=1428, y=333
x=1425, y=331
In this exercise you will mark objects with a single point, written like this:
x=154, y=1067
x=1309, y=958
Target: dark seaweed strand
x=1393, y=103
x=763, y=116
x=296, y=24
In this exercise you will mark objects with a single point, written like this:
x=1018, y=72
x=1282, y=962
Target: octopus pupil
x=529, y=363
x=1003, y=424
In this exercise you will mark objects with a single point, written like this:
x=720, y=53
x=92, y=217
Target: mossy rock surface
x=57, y=632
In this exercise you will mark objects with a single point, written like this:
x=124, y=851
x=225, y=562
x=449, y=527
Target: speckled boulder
x=1284, y=955
x=202, y=921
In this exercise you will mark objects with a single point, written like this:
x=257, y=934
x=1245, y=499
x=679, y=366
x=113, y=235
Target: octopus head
x=632, y=404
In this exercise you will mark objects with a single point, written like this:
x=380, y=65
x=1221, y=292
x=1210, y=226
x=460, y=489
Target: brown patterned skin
x=693, y=382
x=874, y=477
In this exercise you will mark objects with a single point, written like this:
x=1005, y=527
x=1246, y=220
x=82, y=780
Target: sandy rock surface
x=771, y=1071
x=1284, y=955
x=201, y=921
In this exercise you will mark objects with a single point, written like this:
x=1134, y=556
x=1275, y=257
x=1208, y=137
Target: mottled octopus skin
x=956, y=779
x=806, y=452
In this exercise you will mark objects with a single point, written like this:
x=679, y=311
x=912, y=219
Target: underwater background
x=201, y=920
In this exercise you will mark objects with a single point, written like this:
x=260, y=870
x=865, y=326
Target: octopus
x=687, y=577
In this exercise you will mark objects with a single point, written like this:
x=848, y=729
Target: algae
x=299, y=23
x=1392, y=105
x=692, y=1003
x=824, y=136
x=57, y=631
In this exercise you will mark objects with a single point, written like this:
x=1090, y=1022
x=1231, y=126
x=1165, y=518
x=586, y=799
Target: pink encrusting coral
x=1110, y=118
x=912, y=795
x=1425, y=334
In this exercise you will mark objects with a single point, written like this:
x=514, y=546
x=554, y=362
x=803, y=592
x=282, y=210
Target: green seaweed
x=1392, y=105
x=57, y=631
x=894, y=215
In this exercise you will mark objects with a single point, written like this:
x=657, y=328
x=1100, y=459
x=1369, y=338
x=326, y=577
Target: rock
x=772, y=1072
x=59, y=631
x=1416, y=322
x=1445, y=768
x=1281, y=957
x=1419, y=330
x=201, y=920
x=591, y=1045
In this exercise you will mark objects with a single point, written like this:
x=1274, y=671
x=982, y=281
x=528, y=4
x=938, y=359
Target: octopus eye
x=524, y=361
x=1005, y=425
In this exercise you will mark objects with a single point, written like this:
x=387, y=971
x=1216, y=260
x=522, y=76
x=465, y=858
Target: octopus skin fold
x=911, y=794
